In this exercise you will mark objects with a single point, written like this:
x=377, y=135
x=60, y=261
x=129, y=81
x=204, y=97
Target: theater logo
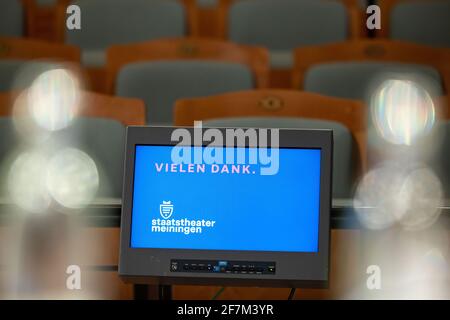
x=183, y=225
x=166, y=209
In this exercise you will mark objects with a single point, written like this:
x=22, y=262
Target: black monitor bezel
x=294, y=269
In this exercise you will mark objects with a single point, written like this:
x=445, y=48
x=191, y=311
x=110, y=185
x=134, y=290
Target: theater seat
x=357, y=80
x=282, y=25
x=108, y=22
x=425, y=22
x=11, y=18
x=343, y=164
x=159, y=84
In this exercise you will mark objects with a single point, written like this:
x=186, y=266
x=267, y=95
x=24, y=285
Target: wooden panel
x=41, y=21
x=94, y=285
x=90, y=247
x=207, y=19
x=280, y=78
x=97, y=247
x=105, y=285
x=96, y=79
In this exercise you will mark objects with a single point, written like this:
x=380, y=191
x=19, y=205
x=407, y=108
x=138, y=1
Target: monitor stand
x=152, y=292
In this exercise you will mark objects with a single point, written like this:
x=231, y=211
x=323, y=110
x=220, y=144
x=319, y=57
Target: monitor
x=238, y=214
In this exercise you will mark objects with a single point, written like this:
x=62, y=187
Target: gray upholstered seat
x=426, y=22
x=101, y=139
x=108, y=22
x=11, y=18
x=282, y=25
x=343, y=164
x=356, y=80
x=19, y=74
x=160, y=83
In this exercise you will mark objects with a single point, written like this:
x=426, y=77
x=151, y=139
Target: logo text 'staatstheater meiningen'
x=186, y=226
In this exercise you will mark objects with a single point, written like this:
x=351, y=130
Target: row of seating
x=343, y=69
x=293, y=24
x=279, y=25
x=102, y=136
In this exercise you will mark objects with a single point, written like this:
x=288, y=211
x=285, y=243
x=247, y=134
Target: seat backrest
x=358, y=80
x=160, y=84
x=279, y=103
x=11, y=18
x=256, y=58
x=370, y=51
x=343, y=165
x=421, y=21
x=353, y=17
x=108, y=22
x=286, y=24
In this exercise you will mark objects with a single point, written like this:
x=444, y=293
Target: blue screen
x=225, y=207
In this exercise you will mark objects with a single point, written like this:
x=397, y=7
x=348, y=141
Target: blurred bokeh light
x=406, y=193
x=421, y=191
x=53, y=98
x=402, y=110
x=27, y=182
x=72, y=178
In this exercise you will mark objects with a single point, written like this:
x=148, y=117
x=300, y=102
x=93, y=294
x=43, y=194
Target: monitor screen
x=225, y=207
